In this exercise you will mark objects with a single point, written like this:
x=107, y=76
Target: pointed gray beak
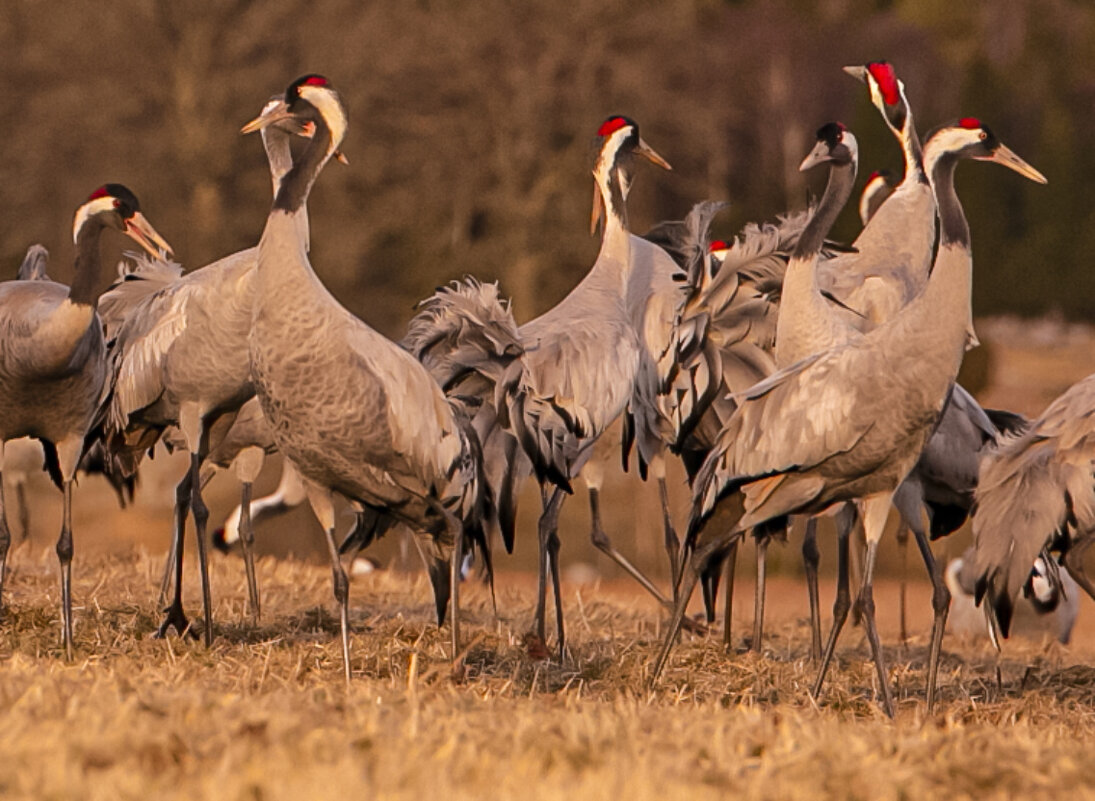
x=1006, y=156
x=819, y=155
x=857, y=72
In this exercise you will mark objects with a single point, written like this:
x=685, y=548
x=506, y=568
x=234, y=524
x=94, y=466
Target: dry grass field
x=265, y=714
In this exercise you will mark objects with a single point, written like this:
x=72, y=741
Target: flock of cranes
x=791, y=375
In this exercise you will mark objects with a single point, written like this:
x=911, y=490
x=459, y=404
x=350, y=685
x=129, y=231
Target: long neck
x=807, y=320
x=953, y=229
x=613, y=184
x=910, y=146
x=934, y=327
x=297, y=183
x=837, y=191
x=278, y=154
x=85, y=283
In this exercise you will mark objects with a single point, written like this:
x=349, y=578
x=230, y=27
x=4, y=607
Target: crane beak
x=819, y=155
x=645, y=150
x=140, y=230
x=276, y=112
x=857, y=72
x=598, y=214
x=341, y=158
x=1006, y=156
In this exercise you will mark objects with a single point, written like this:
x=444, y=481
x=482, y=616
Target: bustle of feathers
x=139, y=277
x=1036, y=493
x=727, y=330
x=465, y=336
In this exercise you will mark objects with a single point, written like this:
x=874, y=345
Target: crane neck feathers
x=85, y=282
x=297, y=183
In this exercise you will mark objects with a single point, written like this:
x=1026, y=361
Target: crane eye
x=983, y=136
x=117, y=203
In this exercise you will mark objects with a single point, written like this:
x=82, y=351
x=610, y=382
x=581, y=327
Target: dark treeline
x=472, y=123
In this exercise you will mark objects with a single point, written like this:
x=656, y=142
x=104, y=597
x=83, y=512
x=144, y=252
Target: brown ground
x=264, y=713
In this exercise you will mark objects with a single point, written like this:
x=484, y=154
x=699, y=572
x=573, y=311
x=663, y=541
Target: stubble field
x=265, y=714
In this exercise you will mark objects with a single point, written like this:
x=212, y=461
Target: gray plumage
x=356, y=413
x=817, y=433
x=179, y=357
x=34, y=265
x=53, y=360
x=1036, y=492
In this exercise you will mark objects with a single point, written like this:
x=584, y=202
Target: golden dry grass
x=265, y=714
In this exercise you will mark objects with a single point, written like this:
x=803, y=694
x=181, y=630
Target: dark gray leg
x=941, y=604
x=903, y=547
x=64, y=556
x=689, y=576
x=672, y=541
x=247, y=540
x=24, y=510
x=811, y=558
x=174, y=616
x=342, y=596
x=549, y=519
x=758, y=600
x=728, y=601
x=457, y=560
x=843, y=596
x=604, y=545
x=5, y=538
x=201, y=517
x=866, y=603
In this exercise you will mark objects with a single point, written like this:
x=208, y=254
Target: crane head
x=835, y=144
x=970, y=138
x=619, y=141
x=887, y=92
x=116, y=206
x=308, y=99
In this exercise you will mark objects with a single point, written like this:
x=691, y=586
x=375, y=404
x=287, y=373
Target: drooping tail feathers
x=466, y=337
x=1035, y=492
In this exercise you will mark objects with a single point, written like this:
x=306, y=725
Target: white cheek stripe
x=95, y=206
x=328, y=105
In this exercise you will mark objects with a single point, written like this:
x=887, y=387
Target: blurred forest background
x=471, y=142
x=472, y=127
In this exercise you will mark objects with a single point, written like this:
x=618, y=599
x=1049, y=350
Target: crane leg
x=201, y=516
x=903, y=547
x=24, y=509
x=604, y=545
x=690, y=574
x=811, y=558
x=5, y=535
x=762, y=543
x=941, y=604
x=709, y=586
x=728, y=601
x=64, y=557
x=324, y=509
x=672, y=541
x=875, y=511
x=842, y=603
x=174, y=617
x=247, y=540
x=549, y=520
x=456, y=562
